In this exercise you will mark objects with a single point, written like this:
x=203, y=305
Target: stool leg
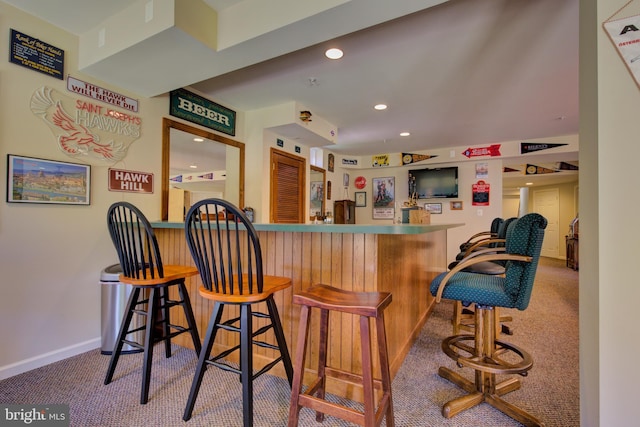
x=205, y=351
x=282, y=342
x=148, y=344
x=246, y=363
x=384, y=368
x=164, y=303
x=322, y=359
x=124, y=328
x=298, y=370
x=188, y=314
x=367, y=373
x=457, y=317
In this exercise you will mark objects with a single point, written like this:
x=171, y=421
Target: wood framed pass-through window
x=288, y=194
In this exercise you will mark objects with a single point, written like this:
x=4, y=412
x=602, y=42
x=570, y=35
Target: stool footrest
x=350, y=376
x=333, y=409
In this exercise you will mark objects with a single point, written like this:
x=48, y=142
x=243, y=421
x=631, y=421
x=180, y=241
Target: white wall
x=51, y=255
x=609, y=291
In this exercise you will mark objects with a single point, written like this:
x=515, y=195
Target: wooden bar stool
x=142, y=267
x=367, y=305
x=226, y=249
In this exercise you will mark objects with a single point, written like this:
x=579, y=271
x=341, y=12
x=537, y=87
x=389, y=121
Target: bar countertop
x=336, y=228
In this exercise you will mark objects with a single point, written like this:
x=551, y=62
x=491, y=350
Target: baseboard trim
x=47, y=358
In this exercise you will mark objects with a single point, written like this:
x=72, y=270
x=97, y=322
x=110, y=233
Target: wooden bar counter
x=401, y=259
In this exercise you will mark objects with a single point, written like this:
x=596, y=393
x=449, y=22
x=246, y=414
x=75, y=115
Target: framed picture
x=384, y=198
x=434, y=208
x=456, y=206
x=317, y=195
x=361, y=198
x=31, y=180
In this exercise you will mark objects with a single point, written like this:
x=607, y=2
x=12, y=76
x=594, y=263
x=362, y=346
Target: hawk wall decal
x=83, y=129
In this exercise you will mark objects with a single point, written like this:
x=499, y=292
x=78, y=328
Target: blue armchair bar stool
x=482, y=352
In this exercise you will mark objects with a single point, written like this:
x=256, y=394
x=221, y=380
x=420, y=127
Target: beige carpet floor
x=548, y=329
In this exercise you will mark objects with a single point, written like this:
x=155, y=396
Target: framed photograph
x=433, y=208
x=31, y=180
x=384, y=198
x=361, y=198
x=456, y=206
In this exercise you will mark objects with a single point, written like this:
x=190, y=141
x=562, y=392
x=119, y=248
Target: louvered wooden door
x=287, y=188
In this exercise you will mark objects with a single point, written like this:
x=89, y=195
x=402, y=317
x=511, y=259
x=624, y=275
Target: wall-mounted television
x=434, y=183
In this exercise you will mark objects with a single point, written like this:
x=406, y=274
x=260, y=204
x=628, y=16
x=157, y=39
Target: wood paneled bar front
x=401, y=259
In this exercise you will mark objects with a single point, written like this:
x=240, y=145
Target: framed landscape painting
x=31, y=180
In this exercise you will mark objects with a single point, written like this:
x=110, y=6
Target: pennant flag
x=177, y=178
x=508, y=169
x=380, y=160
x=567, y=167
x=206, y=176
x=536, y=170
x=623, y=33
x=530, y=147
x=408, y=158
x=492, y=150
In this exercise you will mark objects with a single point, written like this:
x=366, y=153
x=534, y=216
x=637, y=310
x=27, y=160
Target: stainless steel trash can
x=115, y=296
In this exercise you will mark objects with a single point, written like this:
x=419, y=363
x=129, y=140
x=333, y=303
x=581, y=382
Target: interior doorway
x=546, y=203
x=287, y=188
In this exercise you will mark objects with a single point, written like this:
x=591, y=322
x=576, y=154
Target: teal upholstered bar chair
x=482, y=236
x=481, y=351
x=463, y=318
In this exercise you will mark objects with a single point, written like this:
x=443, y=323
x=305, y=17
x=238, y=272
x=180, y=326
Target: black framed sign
x=32, y=53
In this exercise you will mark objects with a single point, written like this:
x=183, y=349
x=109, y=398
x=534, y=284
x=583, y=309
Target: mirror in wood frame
x=193, y=170
x=317, y=192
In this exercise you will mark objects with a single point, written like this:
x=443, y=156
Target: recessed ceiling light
x=198, y=139
x=380, y=107
x=193, y=166
x=529, y=183
x=334, y=53
x=404, y=134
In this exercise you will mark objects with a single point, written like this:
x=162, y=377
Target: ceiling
x=453, y=73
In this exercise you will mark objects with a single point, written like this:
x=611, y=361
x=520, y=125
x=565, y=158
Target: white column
x=524, y=201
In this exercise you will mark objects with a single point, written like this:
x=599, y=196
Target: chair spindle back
x=135, y=241
x=225, y=248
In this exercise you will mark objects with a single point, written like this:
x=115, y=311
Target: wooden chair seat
x=171, y=273
x=271, y=285
x=366, y=305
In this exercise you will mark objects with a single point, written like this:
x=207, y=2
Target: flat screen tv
x=434, y=183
